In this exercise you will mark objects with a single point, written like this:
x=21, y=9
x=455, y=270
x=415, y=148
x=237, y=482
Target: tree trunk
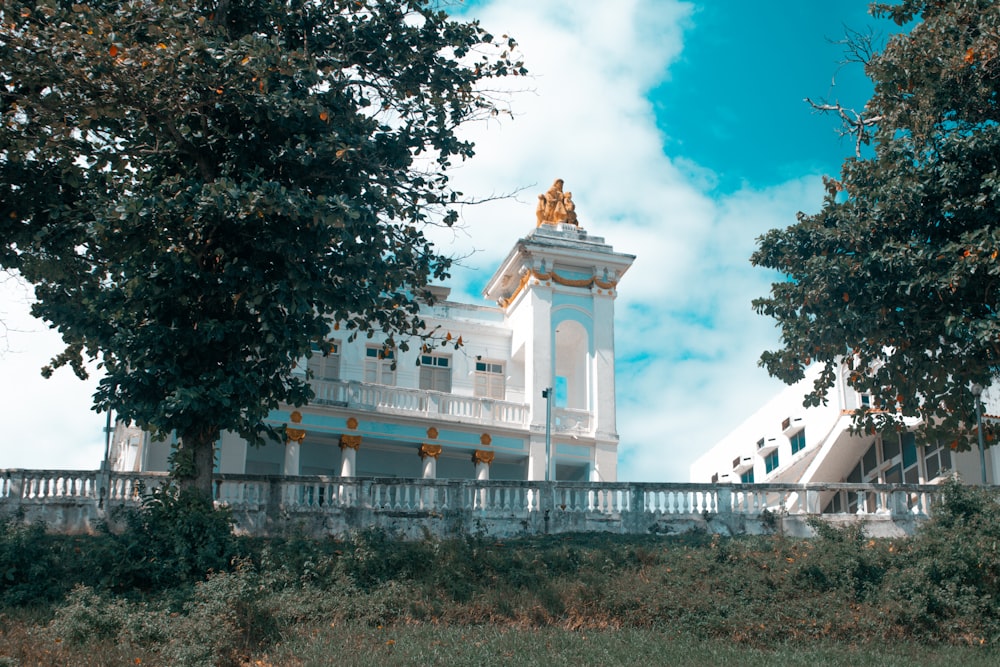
x=194, y=463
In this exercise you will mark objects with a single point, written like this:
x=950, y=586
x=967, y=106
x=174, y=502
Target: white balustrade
x=401, y=400
x=620, y=506
x=569, y=420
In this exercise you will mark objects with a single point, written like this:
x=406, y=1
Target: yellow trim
x=552, y=276
x=350, y=441
x=425, y=450
x=483, y=456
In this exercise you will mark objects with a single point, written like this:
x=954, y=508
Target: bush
x=845, y=559
x=229, y=618
x=950, y=585
x=175, y=537
x=24, y=562
x=87, y=616
x=37, y=568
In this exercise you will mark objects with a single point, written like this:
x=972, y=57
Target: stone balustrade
x=419, y=402
x=76, y=501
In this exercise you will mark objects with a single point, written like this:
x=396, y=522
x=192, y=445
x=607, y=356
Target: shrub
x=228, y=619
x=950, y=585
x=175, y=537
x=845, y=559
x=24, y=562
x=36, y=567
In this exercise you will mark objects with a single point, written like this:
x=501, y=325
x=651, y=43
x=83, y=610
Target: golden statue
x=556, y=206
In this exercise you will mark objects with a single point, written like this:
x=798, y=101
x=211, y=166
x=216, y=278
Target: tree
x=200, y=189
x=898, y=274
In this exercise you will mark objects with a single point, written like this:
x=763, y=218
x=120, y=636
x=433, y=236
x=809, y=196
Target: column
x=482, y=458
x=347, y=493
x=429, y=455
x=349, y=445
x=293, y=443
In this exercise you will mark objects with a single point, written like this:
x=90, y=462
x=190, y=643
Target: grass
x=486, y=646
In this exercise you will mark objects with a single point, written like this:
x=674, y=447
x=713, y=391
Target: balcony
x=439, y=406
x=571, y=422
x=742, y=463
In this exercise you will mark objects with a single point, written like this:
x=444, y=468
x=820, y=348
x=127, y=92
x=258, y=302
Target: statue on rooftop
x=556, y=206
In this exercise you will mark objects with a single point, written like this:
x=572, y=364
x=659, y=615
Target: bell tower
x=557, y=288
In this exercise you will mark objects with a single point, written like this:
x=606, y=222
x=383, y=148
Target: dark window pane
x=909, y=450
x=869, y=461
x=932, y=466
x=890, y=448
x=945, y=458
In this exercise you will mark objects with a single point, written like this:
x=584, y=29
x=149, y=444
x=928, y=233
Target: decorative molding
x=483, y=456
x=295, y=434
x=425, y=450
x=509, y=300
x=574, y=282
x=350, y=441
x=432, y=433
x=352, y=423
x=553, y=277
x=485, y=439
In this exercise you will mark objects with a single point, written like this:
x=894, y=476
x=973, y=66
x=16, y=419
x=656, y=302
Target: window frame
x=380, y=367
x=484, y=379
x=319, y=365
x=435, y=372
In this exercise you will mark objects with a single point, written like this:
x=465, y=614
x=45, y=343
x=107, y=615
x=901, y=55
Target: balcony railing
x=73, y=501
x=569, y=420
x=419, y=402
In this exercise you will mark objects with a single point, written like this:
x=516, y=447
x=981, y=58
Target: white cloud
x=687, y=338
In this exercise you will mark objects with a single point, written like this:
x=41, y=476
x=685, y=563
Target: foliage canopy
x=200, y=189
x=898, y=273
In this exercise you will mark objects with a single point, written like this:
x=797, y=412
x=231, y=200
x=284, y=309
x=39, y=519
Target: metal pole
x=976, y=391
x=547, y=395
x=107, y=442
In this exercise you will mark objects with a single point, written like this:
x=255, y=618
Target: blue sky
x=733, y=100
x=681, y=131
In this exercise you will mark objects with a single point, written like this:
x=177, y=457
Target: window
x=771, y=461
x=435, y=372
x=911, y=471
x=490, y=379
x=798, y=441
x=760, y=443
x=747, y=477
x=937, y=459
x=324, y=364
x=379, y=365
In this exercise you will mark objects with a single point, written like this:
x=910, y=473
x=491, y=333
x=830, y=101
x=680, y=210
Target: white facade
x=472, y=412
x=786, y=442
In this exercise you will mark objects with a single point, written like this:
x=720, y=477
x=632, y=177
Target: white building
x=475, y=411
x=785, y=442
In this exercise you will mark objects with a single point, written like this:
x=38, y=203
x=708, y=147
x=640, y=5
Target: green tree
x=898, y=273
x=200, y=189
